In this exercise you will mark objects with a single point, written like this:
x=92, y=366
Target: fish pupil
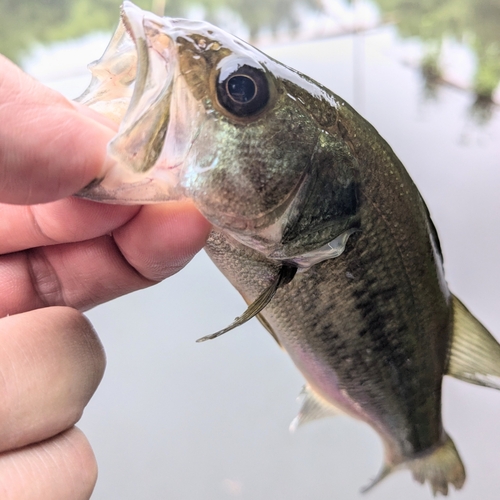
x=241, y=88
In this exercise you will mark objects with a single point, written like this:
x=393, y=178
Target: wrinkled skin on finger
x=57, y=251
x=62, y=468
x=71, y=251
x=104, y=262
x=42, y=129
x=51, y=362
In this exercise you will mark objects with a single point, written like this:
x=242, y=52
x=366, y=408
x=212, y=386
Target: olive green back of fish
x=317, y=224
x=391, y=321
x=372, y=329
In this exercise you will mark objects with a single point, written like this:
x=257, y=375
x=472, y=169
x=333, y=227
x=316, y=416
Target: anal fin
x=313, y=408
x=474, y=354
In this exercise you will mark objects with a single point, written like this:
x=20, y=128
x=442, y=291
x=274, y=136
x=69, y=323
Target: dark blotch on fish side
x=373, y=329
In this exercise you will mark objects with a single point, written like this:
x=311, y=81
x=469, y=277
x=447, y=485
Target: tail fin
x=439, y=467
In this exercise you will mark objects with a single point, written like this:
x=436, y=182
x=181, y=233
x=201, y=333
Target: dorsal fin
x=313, y=408
x=284, y=276
x=474, y=354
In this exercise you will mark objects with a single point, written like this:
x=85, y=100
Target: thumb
x=49, y=149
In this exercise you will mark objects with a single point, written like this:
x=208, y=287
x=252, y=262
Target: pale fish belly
x=330, y=389
x=319, y=327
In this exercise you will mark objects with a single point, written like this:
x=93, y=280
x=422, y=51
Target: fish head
x=206, y=116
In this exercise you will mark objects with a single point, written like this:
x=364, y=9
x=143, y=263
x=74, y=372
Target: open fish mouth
x=132, y=84
x=205, y=116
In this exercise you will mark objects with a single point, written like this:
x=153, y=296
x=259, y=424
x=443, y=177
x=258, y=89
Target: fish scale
x=306, y=315
x=316, y=223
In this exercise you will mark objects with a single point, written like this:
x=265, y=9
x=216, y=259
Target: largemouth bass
x=315, y=222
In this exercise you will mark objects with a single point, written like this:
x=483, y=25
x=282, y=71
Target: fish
x=316, y=223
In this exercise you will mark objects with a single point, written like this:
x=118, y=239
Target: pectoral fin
x=284, y=277
x=475, y=354
x=313, y=408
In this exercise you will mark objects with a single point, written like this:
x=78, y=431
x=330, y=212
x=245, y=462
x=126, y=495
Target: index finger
x=48, y=148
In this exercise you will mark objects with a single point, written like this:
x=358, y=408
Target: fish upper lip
x=141, y=26
x=143, y=127
x=132, y=83
x=129, y=13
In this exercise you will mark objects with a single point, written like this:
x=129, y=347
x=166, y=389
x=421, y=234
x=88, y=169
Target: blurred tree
x=25, y=22
x=258, y=15
x=476, y=22
x=486, y=43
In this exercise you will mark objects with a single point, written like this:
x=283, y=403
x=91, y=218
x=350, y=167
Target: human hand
x=56, y=259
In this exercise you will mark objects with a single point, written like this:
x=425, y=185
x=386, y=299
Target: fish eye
x=244, y=92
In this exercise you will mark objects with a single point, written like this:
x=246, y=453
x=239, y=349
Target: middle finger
x=153, y=245
x=62, y=221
